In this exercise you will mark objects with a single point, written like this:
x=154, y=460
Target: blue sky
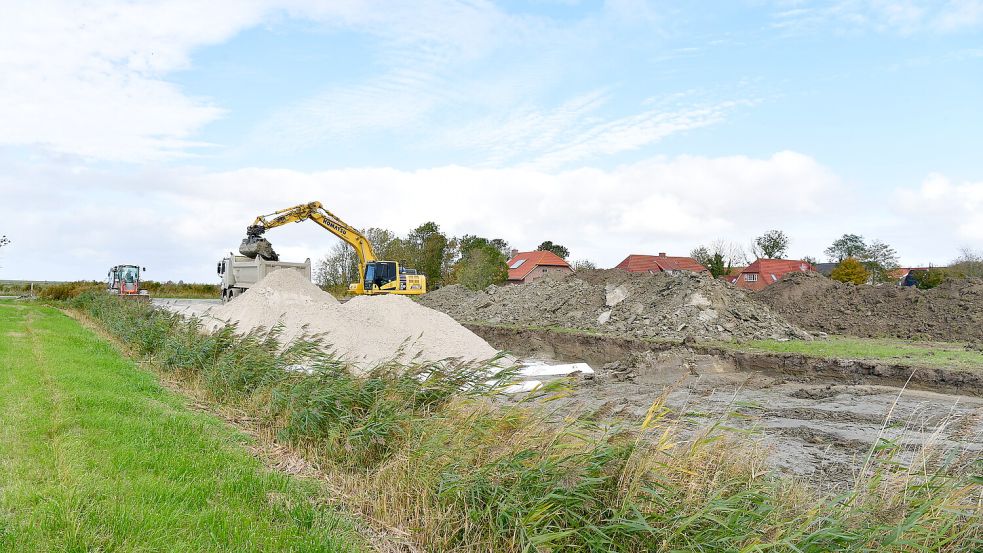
x=613, y=127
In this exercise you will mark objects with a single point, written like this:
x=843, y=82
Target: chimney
x=662, y=254
x=515, y=252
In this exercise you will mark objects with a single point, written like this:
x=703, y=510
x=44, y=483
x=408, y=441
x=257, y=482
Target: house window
x=774, y=278
x=751, y=277
x=517, y=264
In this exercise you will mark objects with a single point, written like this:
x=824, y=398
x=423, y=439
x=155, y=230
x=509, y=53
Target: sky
x=153, y=132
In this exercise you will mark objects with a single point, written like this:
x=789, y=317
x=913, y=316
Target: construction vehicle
x=239, y=272
x=374, y=276
x=124, y=281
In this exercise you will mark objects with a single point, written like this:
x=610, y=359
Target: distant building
x=661, y=263
x=903, y=276
x=529, y=266
x=825, y=269
x=765, y=272
x=733, y=274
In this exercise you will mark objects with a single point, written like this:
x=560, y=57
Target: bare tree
x=969, y=263
x=583, y=265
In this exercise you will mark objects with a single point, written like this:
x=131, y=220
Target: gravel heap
x=366, y=330
x=951, y=312
x=627, y=304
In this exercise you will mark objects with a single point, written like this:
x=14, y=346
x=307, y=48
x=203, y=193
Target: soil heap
x=952, y=311
x=660, y=306
x=366, y=330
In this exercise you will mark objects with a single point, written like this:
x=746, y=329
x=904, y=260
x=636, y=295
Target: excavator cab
x=386, y=277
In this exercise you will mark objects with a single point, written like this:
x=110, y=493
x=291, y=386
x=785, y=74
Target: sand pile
x=951, y=312
x=365, y=330
x=616, y=302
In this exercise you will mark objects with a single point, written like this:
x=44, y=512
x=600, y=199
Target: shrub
x=68, y=290
x=925, y=280
x=851, y=271
x=180, y=289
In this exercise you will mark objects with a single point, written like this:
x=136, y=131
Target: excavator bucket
x=254, y=246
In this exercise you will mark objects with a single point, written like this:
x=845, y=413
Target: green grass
x=408, y=448
x=96, y=456
x=907, y=352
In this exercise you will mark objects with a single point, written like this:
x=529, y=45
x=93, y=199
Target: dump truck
x=124, y=281
x=374, y=275
x=239, y=272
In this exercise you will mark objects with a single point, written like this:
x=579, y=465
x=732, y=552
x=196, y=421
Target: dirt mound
x=950, y=312
x=365, y=330
x=616, y=302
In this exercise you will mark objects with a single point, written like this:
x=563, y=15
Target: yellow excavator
x=374, y=276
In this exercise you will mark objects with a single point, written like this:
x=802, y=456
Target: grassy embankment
x=68, y=290
x=96, y=456
x=406, y=447
x=903, y=352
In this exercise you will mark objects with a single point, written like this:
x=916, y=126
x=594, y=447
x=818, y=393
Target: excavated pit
x=819, y=418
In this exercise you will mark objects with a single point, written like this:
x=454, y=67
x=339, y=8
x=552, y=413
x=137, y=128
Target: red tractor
x=124, y=281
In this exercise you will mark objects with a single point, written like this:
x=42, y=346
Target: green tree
x=848, y=245
x=772, y=244
x=549, y=246
x=426, y=246
x=850, y=270
x=482, y=265
x=880, y=259
x=877, y=257
x=338, y=268
x=382, y=241
x=717, y=266
x=702, y=255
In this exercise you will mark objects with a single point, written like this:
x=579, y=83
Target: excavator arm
x=375, y=277
x=254, y=244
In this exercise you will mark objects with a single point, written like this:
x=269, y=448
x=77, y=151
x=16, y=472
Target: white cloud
x=91, y=79
x=87, y=78
x=574, y=131
x=177, y=223
x=940, y=207
x=897, y=16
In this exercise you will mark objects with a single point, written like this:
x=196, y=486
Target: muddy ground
x=819, y=427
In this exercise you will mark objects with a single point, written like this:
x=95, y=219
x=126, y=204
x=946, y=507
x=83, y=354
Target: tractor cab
x=124, y=280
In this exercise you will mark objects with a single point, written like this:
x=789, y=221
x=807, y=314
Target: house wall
x=544, y=271
x=743, y=283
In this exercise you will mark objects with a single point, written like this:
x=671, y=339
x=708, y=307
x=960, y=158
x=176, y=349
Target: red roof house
x=659, y=263
x=530, y=266
x=765, y=272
